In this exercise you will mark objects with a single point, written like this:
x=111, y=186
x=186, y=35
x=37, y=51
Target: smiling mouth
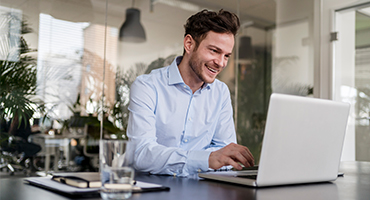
x=212, y=70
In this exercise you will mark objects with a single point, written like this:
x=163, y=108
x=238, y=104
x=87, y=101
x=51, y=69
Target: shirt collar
x=207, y=86
x=174, y=76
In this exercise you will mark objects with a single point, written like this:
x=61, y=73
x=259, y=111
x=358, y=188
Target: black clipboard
x=75, y=192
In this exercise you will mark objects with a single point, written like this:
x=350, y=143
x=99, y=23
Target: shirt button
x=185, y=140
x=189, y=118
x=199, y=170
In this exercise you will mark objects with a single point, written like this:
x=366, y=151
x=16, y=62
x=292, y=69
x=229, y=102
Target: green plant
x=17, y=75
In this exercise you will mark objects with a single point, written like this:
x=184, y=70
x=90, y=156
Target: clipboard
x=76, y=192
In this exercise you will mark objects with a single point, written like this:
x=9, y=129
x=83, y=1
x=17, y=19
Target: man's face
x=211, y=56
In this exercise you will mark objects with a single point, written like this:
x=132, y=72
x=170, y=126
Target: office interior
x=81, y=59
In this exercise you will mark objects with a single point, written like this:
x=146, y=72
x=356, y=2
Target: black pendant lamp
x=132, y=30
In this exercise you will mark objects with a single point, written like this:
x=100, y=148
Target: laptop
x=302, y=143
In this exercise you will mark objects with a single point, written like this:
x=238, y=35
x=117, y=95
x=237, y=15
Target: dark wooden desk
x=354, y=185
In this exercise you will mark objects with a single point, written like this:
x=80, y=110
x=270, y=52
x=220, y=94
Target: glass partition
x=351, y=77
x=82, y=71
x=275, y=55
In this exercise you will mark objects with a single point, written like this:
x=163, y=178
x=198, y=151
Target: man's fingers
x=234, y=164
x=249, y=158
x=232, y=154
x=243, y=155
x=239, y=157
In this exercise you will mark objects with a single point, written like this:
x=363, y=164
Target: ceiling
x=169, y=15
x=261, y=12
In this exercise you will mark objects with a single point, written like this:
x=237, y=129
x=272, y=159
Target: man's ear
x=189, y=43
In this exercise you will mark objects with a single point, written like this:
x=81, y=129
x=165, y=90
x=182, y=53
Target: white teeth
x=212, y=70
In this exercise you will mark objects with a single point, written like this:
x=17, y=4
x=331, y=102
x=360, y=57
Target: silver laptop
x=302, y=143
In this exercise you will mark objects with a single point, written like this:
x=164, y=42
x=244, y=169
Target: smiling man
x=181, y=116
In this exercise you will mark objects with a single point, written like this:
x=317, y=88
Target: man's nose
x=220, y=61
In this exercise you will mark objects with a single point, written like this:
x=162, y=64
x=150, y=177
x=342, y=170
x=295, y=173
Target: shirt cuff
x=197, y=161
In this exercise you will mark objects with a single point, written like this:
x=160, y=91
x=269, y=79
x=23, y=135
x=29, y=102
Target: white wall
x=293, y=47
x=337, y=60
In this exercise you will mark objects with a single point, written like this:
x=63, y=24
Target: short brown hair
x=199, y=24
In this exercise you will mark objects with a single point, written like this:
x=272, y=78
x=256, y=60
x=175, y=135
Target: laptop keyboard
x=247, y=168
x=248, y=176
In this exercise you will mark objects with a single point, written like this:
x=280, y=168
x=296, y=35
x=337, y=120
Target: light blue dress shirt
x=175, y=130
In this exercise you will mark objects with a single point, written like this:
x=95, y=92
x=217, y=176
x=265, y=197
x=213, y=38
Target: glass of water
x=117, y=174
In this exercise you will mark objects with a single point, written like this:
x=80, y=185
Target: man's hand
x=231, y=155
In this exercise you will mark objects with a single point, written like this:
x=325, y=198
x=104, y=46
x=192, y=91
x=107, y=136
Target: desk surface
x=354, y=185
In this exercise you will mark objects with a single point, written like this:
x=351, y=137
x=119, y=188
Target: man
x=181, y=116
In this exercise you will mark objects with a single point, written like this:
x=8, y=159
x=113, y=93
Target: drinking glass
x=117, y=173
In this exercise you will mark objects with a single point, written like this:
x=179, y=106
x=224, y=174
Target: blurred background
x=67, y=67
